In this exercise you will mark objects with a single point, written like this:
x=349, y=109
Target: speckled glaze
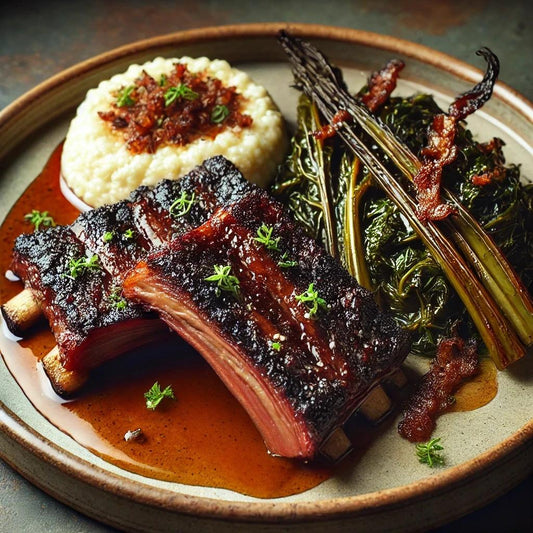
x=489, y=450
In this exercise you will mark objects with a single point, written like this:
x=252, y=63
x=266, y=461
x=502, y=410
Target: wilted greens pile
x=339, y=203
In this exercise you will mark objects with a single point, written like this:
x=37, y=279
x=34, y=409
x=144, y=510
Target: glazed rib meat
x=289, y=331
x=91, y=319
x=85, y=323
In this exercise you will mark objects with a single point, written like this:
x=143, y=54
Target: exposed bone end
x=377, y=405
x=336, y=447
x=64, y=382
x=398, y=379
x=21, y=312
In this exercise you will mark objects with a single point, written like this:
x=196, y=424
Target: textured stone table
x=39, y=39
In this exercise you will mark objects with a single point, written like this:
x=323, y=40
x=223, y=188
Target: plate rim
x=518, y=444
x=440, y=60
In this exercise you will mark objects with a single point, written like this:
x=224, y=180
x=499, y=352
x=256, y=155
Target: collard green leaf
x=398, y=267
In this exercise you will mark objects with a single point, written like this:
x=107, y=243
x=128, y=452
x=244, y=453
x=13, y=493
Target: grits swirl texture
x=97, y=166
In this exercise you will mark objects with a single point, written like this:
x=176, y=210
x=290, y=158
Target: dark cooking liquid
x=204, y=437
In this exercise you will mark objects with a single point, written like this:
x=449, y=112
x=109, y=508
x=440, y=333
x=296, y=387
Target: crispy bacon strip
x=494, y=146
x=441, y=150
x=381, y=84
x=329, y=130
x=456, y=361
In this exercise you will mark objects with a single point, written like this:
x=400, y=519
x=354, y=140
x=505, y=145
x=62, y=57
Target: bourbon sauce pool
x=203, y=437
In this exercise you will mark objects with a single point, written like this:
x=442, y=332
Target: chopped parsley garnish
x=264, y=236
x=162, y=80
x=179, y=91
x=77, y=267
x=285, y=262
x=219, y=114
x=129, y=234
x=155, y=395
x=117, y=300
x=311, y=297
x=183, y=204
x=124, y=99
x=276, y=341
x=428, y=453
x=39, y=218
x=107, y=236
x=225, y=280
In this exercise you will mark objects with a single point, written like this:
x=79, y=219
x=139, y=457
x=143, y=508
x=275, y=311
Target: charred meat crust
x=110, y=232
x=120, y=235
x=74, y=307
x=327, y=363
x=215, y=183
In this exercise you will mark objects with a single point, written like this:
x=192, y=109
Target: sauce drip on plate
x=479, y=390
x=203, y=437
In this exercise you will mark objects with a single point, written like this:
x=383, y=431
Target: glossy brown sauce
x=204, y=437
x=479, y=390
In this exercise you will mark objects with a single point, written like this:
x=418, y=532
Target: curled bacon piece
x=441, y=150
x=381, y=84
x=494, y=148
x=456, y=361
x=329, y=130
x=466, y=103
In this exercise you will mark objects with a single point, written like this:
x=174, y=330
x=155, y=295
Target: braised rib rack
x=299, y=372
x=300, y=376
x=82, y=309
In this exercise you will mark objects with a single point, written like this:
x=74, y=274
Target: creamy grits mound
x=98, y=168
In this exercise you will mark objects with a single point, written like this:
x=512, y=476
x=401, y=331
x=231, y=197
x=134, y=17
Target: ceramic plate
x=488, y=450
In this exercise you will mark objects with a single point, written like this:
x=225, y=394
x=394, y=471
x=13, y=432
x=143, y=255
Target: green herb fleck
x=77, y=267
x=117, y=300
x=162, y=80
x=428, y=453
x=124, y=98
x=155, y=395
x=285, y=262
x=219, y=114
x=225, y=281
x=183, y=204
x=107, y=236
x=264, y=236
x=39, y=218
x=129, y=234
x=310, y=296
x=276, y=346
x=179, y=91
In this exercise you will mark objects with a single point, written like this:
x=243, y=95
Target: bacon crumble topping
x=494, y=146
x=176, y=109
x=441, y=150
x=329, y=130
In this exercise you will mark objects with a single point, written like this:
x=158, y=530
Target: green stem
x=355, y=257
